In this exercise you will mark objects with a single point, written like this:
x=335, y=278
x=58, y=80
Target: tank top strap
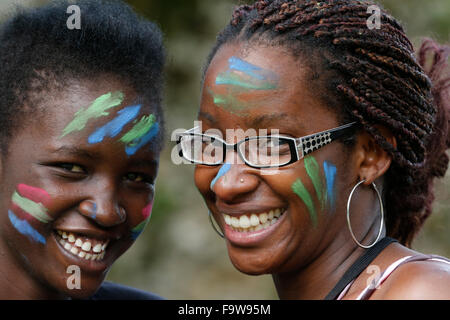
x=357, y=267
x=370, y=289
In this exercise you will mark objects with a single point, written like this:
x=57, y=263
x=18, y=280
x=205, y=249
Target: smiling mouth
x=82, y=246
x=255, y=221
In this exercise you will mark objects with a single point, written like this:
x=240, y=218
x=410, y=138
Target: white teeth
x=86, y=246
x=82, y=248
x=97, y=248
x=277, y=213
x=263, y=217
x=254, y=222
x=244, y=221
x=235, y=222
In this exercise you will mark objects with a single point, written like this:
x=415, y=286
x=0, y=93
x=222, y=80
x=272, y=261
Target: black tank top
x=358, y=267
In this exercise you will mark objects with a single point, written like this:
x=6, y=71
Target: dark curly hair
x=39, y=52
x=375, y=78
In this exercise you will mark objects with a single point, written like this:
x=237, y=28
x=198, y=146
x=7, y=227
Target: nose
x=103, y=209
x=234, y=181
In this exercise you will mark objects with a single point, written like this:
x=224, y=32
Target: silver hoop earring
x=214, y=227
x=348, y=216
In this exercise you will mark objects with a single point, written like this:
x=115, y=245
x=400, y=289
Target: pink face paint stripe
x=147, y=211
x=34, y=194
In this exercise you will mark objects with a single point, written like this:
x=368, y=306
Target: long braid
x=379, y=81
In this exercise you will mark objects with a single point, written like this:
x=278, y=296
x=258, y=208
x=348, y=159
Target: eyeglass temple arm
x=317, y=140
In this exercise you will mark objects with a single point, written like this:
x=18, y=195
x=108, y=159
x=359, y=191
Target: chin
x=253, y=265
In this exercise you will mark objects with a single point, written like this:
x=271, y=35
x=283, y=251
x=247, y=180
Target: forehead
x=95, y=116
x=252, y=85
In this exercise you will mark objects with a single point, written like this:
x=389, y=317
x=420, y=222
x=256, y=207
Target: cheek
x=316, y=188
x=203, y=178
x=144, y=219
x=28, y=212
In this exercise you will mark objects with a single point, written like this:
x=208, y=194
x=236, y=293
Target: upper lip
x=245, y=208
x=90, y=233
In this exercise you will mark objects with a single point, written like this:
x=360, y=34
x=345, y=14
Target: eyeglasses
x=258, y=151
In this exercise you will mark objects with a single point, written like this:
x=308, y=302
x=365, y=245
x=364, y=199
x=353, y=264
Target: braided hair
x=376, y=79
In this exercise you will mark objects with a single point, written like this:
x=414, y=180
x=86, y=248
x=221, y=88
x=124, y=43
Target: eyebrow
x=143, y=163
x=207, y=116
x=259, y=121
x=77, y=152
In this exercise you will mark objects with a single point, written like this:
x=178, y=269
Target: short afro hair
x=39, y=52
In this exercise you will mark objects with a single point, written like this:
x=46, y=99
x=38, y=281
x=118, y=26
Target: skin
x=95, y=189
x=305, y=260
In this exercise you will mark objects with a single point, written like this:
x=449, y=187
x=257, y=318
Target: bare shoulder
x=419, y=280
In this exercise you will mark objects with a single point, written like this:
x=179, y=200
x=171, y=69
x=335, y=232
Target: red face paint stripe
x=146, y=212
x=35, y=194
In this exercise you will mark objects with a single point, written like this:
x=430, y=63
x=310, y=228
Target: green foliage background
x=179, y=256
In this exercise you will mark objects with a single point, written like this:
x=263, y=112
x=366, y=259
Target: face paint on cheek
x=115, y=126
x=96, y=109
x=313, y=171
x=32, y=202
x=23, y=227
x=222, y=171
x=300, y=190
x=141, y=134
x=146, y=213
x=330, y=176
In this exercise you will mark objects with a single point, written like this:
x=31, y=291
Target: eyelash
x=80, y=170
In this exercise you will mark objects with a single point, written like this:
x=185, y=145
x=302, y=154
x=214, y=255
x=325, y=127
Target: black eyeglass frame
x=307, y=144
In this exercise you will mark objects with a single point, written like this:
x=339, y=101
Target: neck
x=315, y=281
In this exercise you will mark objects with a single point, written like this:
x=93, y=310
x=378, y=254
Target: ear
x=372, y=160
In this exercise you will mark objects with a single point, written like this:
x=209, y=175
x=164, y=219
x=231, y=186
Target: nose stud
x=241, y=180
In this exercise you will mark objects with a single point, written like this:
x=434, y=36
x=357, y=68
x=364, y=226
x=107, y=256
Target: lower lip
x=86, y=265
x=254, y=237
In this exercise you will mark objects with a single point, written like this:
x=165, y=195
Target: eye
x=72, y=167
x=136, y=177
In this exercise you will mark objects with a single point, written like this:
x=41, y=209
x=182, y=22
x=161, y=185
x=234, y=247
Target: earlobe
x=373, y=160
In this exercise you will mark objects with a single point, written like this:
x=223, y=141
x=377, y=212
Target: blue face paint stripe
x=330, y=176
x=25, y=228
x=130, y=150
x=115, y=126
x=222, y=171
x=245, y=67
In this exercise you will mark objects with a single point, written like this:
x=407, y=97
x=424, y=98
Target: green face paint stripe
x=228, y=78
x=37, y=210
x=139, y=129
x=313, y=171
x=96, y=109
x=300, y=190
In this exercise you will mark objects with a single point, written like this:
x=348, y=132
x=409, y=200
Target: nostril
x=89, y=208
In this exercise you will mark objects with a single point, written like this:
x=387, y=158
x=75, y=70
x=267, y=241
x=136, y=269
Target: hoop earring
x=348, y=215
x=214, y=227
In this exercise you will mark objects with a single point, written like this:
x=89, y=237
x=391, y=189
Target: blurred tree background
x=179, y=256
